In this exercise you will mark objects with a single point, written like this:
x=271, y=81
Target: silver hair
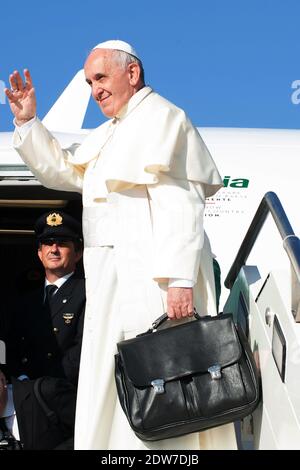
x=123, y=59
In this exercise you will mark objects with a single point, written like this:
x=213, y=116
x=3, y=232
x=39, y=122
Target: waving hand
x=21, y=97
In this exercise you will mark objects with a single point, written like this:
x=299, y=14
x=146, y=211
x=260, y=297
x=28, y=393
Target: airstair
x=268, y=309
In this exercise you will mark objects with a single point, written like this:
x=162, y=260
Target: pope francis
x=144, y=175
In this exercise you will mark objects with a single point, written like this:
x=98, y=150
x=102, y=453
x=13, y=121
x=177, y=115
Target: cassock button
x=24, y=360
x=55, y=330
x=49, y=355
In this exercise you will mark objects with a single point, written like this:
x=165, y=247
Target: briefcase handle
x=160, y=320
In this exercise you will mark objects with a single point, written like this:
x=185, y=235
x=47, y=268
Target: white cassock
x=144, y=176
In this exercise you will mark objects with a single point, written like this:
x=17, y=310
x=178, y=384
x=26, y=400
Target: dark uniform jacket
x=47, y=341
x=44, y=343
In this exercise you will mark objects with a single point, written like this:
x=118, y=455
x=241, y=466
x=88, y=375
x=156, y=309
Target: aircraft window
x=279, y=348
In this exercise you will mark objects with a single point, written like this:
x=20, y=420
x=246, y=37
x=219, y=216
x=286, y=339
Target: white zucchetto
x=117, y=45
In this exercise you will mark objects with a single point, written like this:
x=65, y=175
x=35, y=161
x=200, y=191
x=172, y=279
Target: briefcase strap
x=51, y=415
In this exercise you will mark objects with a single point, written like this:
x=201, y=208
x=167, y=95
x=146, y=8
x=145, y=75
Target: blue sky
x=228, y=63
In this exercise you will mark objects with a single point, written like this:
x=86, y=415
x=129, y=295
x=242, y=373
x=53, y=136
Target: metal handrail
x=291, y=243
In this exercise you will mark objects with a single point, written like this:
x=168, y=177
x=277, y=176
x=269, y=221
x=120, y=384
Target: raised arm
x=39, y=150
x=21, y=97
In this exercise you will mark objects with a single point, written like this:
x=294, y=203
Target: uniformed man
x=47, y=326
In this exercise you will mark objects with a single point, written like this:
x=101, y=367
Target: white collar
x=133, y=102
x=59, y=282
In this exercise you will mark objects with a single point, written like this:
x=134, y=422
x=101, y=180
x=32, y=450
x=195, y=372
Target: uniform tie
x=50, y=289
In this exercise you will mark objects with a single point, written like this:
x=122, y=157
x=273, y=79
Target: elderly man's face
x=112, y=86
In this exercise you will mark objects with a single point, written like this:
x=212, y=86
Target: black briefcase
x=186, y=378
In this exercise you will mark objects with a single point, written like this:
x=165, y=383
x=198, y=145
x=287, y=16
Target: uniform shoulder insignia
x=54, y=219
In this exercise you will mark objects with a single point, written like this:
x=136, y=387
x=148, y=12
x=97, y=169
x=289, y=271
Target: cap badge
x=54, y=219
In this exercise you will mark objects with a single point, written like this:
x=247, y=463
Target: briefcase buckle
x=215, y=372
x=158, y=385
